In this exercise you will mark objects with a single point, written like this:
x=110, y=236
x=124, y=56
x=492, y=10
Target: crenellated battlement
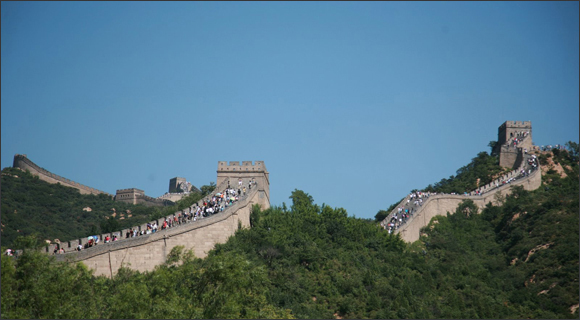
x=137, y=196
x=516, y=124
x=130, y=190
x=257, y=166
x=232, y=172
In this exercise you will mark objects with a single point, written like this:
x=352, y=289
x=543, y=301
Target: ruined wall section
x=23, y=163
x=174, y=184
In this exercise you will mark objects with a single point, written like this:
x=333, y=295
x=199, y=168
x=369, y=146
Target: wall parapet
x=516, y=124
x=130, y=189
x=257, y=166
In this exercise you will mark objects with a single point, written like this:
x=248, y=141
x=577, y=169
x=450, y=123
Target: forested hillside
x=53, y=211
x=517, y=260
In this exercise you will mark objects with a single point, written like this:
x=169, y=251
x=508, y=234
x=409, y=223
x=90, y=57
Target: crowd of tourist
x=414, y=201
x=550, y=147
x=404, y=212
x=517, y=139
x=214, y=204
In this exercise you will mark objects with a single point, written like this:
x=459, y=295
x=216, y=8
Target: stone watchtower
x=509, y=155
x=246, y=171
x=175, y=183
x=129, y=195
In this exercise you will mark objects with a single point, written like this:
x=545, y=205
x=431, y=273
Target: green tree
x=208, y=189
x=492, y=144
x=301, y=201
x=381, y=215
x=574, y=149
x=109, y=225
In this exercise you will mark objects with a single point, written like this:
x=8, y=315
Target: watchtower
x=129, y=195
x=509, y=155
x=514, y=129
x=234, y=171
x=175, y=184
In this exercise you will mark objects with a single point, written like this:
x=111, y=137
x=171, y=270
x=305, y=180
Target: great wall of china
x=146, y=251
x=22, y=162
x=130, y=195
x=510, y=156
x=439, y=205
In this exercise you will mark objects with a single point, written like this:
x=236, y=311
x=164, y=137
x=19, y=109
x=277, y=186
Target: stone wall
x=144, y=252
x=174, y=184
x=174, y=197
x=508, y=157
x=507, y=132
x=150, y=201
x=128, y=195
x=512, y=156
x=23, y=163
x=71, y=245
x=246, y=171
x=439, y=205
x=510, y=129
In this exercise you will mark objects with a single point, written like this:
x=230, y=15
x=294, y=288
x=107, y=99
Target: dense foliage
x=54, y=211
x=517, y=260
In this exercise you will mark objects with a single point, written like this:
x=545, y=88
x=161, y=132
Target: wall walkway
x=144, y=252
x=440, y=204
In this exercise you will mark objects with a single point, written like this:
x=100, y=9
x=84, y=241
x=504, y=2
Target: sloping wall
x=23, y=163
x=144, y=252
x=439, y=205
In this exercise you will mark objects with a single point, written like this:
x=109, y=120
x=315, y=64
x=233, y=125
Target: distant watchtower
x=129, y=195
x=175, y=184
x=505, y=148
x=234, y=171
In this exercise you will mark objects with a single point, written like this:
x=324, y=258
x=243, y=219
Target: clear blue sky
x=356, y=103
